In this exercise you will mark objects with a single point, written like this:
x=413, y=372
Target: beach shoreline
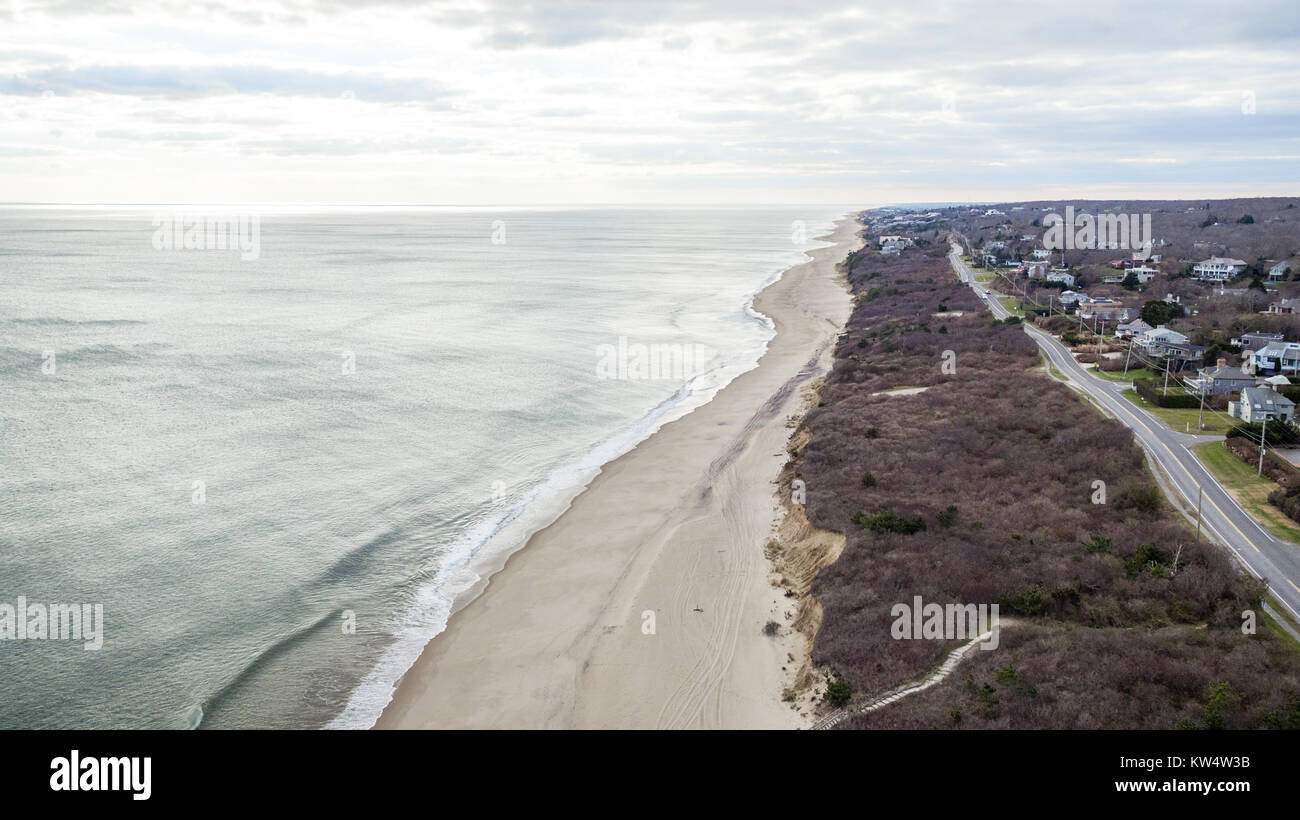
x=643, y=604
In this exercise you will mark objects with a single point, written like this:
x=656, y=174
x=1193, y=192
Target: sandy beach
x=643, y=605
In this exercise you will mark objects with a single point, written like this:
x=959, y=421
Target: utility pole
x=1263, y=434
x=1201, y=415
x=1099, y=338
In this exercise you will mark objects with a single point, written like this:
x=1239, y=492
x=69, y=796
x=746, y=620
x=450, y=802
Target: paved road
x=1267, y=557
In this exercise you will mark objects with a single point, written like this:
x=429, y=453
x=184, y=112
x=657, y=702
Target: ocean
x=277, y=467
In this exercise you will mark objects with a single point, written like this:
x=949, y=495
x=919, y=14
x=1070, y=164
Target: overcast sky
x=657, y=101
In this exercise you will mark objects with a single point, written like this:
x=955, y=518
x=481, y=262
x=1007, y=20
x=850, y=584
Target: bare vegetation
x=980, y=491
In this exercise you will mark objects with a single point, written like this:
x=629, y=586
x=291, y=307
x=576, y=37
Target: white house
x=1068, y=297
x=1275, y=357
x=1260, y=404
x=1218, y=269
x=1279, y=271
x=1038, y=270
x=1154, y=340
x=1059, y=276
x=1042, y=253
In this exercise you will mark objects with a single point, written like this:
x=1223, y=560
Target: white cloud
x=484, y=101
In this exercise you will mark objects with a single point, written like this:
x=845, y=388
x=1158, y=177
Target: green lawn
x=983, y=278
x=1249, y=488
x=1133, y=373
x=1182, y=421
x=1012, y=304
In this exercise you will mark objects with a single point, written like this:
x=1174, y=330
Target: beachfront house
x=1128, y=330
x=1183, y=354
x=1219, y=380
x=1255, y=339
x=1218, y=269
x=1273, y=358
x=1260, y=404
x=1158, y=340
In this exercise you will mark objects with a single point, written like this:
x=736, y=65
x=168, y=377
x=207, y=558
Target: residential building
x=1260, y=404
x=1219, y=380
x=1283, y=306
x=1042, y=253
x=1060, y=276
x=1255, y=339
x=1279, y=271
x=1273, y=358
x=1068, y=297
x=1155, y=341
x=1128, y=330
x=1182, y=353
x=1218, y=269
x=1037, y=269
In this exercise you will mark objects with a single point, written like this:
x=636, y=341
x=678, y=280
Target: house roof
x=1263, y=398
x=1227, y=372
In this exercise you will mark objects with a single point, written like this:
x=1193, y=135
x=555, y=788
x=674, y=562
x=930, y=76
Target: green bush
x=889, y=521
x=948, y=517
x=1147, y=558
x=1153, y=391
x=1031, y=601
x=838, y=691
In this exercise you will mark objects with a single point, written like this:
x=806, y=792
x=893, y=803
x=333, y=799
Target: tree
x=1130, y=281
x=1246, y=220
x=1159, y=312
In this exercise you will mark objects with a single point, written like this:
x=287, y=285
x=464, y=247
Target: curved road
x=1275, y=561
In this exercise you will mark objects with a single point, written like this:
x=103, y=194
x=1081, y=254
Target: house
x=1130, y=329
x=894, y=239
x=1113, y=314
x=1260, y=404
x=1279, y=271
x=1060, y=276
x=1274, y=357
x=1218, y=269
x=1042, y=253
x=1219, y=380
x=1068, y=297
x=1283, y=306
x=1095, y=306
x=1274, y=382
x=1156, y=341
x=1143, y=274
x=1183, y=353
x=1255, y=339
x=1037, y=270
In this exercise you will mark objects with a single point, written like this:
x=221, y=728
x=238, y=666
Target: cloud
x=211, y=81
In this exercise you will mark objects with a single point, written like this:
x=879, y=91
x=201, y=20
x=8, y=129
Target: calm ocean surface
x=379, y=405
